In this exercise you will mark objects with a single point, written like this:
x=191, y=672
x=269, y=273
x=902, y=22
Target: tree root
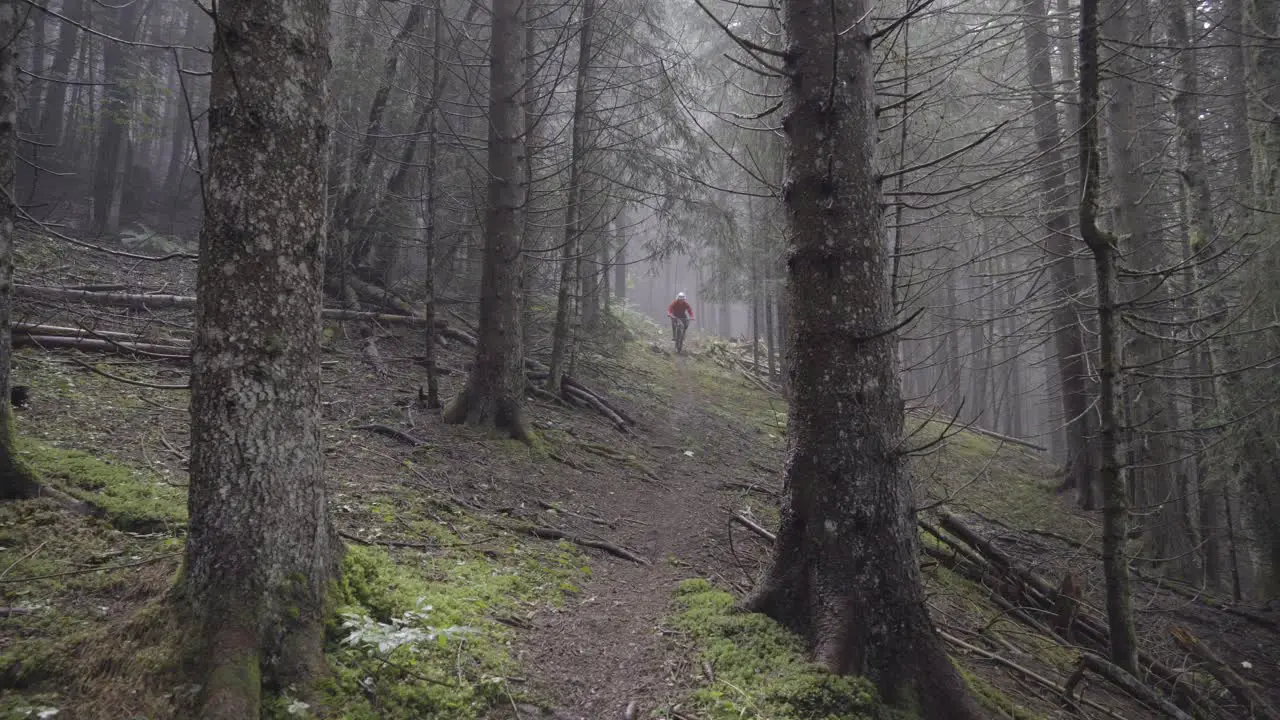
x=547, y=533
x=393, y=433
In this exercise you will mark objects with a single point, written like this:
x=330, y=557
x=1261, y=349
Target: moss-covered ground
x=752, y=669
x=438, y=598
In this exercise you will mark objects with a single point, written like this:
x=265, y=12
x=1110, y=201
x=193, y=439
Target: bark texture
x=1068, y=335
x=16, y=479
x=1208, y=395
x=573, y=206
x=262, y=550
x=1258, y=458
x=845, y=572
x=1111, y=476
x=494, y=392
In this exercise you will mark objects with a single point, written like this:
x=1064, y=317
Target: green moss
x=991, y=698
x=456, y=675
x=132, y=499
x=759, y=668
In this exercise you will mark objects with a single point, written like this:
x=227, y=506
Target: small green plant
x=409, y=632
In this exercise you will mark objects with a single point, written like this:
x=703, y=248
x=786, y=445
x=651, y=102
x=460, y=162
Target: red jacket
x=679, y=309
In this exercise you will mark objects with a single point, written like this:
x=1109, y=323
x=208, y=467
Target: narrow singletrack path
x=604, y=649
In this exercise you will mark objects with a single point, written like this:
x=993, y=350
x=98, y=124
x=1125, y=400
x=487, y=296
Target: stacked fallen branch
x=135, y=301
x=1033, y=601
x=724, y=355
x=51, y=336
x=571, y=389
x=926, y=416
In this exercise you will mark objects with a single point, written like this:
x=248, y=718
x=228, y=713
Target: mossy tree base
x=496, y=410
x=17, y=480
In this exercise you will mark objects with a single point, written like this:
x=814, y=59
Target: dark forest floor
x=545, y=628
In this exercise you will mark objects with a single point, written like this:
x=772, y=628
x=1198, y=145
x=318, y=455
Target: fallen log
x=1240, y=689
x=1039, y=594
x=573, y=383
x=373, y=294
x=166, y=352
x=113, y=299
x=989, y=433
x=599, y=406
x=1061, y=690
x=136, y=301
x=21, y=328
x=1130, y=684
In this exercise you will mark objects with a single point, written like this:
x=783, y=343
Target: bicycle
x=679, y=326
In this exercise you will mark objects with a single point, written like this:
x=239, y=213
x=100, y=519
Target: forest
x=342, y=382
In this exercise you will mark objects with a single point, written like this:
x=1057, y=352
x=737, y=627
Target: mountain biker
x=679, y=311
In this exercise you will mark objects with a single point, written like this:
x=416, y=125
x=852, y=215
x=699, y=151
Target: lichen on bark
x=262, y=550
x=845, y=574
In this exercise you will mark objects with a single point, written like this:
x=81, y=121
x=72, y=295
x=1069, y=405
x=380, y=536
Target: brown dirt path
x=604, y=649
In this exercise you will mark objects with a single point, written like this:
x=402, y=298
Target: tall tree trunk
x=845, y=571
x=56, y=98
x=262, y=550
x=1258, y=458
x=349, y=210
x=1111, y=476
x=569, y=261
x=429, y=241
x=1198, y=200
x=16, y=479
x=753, y=292
x=770, y=339
x=180, y=136
x=494, y=391
x=1152, y=476
x=114, y=121
x=1068, y=335
x=953, y=377
x=620, y=271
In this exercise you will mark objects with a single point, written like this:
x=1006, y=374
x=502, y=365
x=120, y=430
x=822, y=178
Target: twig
x=755, y=528
x=28, y=556
x=393, y=433
x=1123, y=680
x=547, y=533
x=388, y=543
x=86, y=571
x=127, y=381
x=749, y=487
x=1046, y=682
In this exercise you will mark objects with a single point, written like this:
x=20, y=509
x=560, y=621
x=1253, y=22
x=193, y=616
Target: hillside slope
x=588, y=576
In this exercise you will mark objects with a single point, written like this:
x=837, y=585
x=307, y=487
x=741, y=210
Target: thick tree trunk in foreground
x=494, y=392
x=16, y=479
x=262, y=550
x=1115, y=497
x=845, y=573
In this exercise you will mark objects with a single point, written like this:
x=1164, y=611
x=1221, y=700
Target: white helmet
x=680, y=296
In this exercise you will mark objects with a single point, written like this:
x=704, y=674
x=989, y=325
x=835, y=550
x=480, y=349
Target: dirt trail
x=604, y=650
